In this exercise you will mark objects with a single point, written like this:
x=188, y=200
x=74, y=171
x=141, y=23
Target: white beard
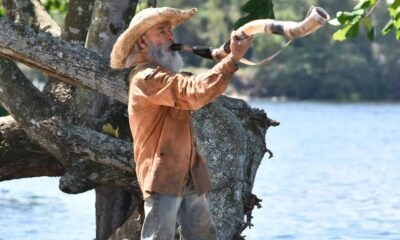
x=171, y=60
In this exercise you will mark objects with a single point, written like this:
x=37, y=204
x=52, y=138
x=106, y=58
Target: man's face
x=158, y=40
x=160, y=34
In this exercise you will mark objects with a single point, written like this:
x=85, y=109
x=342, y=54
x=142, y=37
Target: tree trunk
x=113, y=205
x=231, y=136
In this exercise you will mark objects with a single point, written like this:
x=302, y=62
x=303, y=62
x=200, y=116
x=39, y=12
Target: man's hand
x=239, y=47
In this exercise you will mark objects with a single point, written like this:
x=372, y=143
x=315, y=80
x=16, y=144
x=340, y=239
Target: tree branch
x=26, y=104
x=11, y=8
x=63, y=60
x=20, y=157
x=83, y=143
x=76, y=25
x=31, y=109
x=84, y=175
x=31, y=13
x=35, y=114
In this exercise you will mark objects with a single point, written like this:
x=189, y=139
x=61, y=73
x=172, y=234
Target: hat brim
x=143, y=21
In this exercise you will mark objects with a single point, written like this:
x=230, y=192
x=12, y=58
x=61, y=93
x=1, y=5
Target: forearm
x=203, y=88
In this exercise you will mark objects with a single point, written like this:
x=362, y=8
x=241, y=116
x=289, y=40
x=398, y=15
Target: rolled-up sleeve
x=163, y=87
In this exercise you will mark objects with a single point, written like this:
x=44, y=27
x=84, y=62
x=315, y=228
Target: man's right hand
x=239, y=47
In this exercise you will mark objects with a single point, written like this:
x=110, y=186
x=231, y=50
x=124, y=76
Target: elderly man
x=171, y=173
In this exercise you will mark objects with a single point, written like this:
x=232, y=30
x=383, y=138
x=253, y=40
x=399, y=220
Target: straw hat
x=142, y=22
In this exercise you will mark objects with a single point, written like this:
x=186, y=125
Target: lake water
x=335, y=175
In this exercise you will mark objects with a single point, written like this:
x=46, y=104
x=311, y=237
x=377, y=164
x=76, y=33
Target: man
x=171, y=174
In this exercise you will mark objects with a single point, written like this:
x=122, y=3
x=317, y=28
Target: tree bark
x=36, y=114
x=231, y=137
x=20, y=157
x=82, y=176
x=83, y=143
x=31, y=13
x=113, y=204
x=77, y=22
x=63, y=60
x=76, y=26
x=25, y=103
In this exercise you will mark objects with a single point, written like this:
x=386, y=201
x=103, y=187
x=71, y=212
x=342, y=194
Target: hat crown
x=176, y=16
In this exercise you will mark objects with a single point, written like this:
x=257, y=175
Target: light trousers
x=163, y=211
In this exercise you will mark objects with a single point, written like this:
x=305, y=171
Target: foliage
x=315, y=67
x=394, y=22
x=109, y=129
x=59, y=6
x=141, y=5
x=256, y=9
x=350, y=21
x=3, y=112
x=2, y=11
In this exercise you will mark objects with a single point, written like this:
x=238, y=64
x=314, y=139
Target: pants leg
x=194, y=217
x=160, y=217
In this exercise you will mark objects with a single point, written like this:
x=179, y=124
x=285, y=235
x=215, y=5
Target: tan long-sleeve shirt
x=160, y=104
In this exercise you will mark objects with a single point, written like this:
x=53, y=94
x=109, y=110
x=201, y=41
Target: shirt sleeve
x=163, y=87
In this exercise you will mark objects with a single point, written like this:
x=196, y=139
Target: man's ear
x=142, y=42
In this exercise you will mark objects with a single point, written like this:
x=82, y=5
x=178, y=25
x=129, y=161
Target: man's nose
x=170, y=36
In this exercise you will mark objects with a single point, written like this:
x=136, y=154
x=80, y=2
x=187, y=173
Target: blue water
x=34, y=209
x=335, y=175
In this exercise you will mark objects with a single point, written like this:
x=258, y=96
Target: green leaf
x=359, y=12
x=389, y=25
x=350, y=20
x=55, y=5
x=256, y=9
x=389, y=2
x=340, y=35
x=393, y=3
x=353, y=30
x=3, y=112
x=393, y=12
x=396, y=24
x=343, y=17
x=364, y=4
x=265, y=10
x=370, y=29
x=371, y=34
x=334, y=22
x=2, y=11
x=108, y=128
x=350, y=31
x=252, y=6
x=242, y=21
x=348, y=17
